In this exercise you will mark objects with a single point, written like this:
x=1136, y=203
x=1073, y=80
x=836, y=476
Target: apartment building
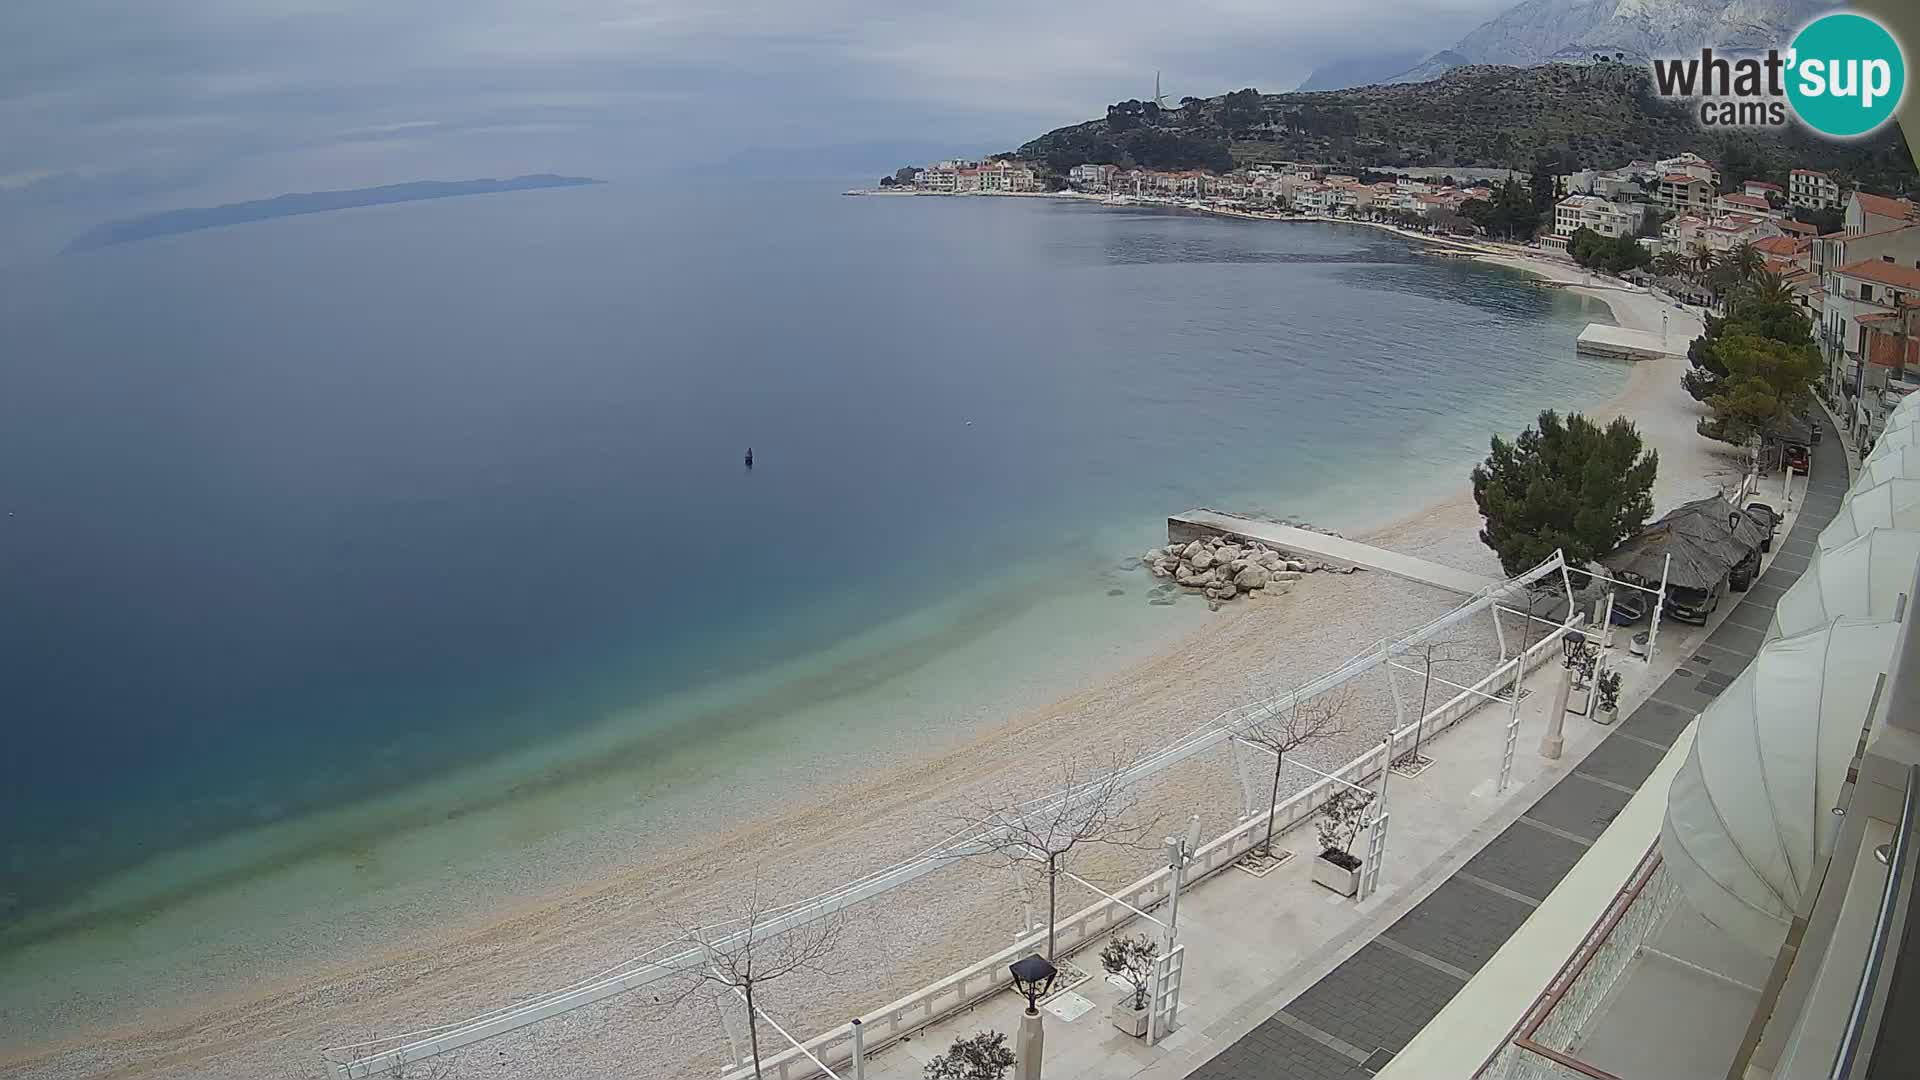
x=1812, y=189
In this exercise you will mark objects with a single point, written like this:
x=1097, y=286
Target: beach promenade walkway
x=1350, y=1023
x=1320, y=547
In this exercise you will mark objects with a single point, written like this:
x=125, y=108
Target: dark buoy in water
x=749, y=457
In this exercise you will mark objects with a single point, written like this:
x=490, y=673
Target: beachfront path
x=1349, y=1025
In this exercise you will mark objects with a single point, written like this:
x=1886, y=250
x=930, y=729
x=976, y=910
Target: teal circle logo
x=1846, y=75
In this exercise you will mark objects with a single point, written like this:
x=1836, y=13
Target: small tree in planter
x=1608, y=687
x=981, y=1056
x=1131, y=959
x=1341, y=819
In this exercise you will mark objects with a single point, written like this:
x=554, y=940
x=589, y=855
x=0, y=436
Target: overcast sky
x=130, y=105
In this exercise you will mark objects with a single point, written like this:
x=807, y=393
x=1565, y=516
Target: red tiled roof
x=1681, y=178
x=1882, y=206
x=1808, y=172
x=1885, y=273
x=1753, y=201
x=1762, y=184
x=1799, y=227
x=1780, y=245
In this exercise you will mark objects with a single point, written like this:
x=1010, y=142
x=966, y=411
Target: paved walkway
x=1349, y=1025
x=1319, y=547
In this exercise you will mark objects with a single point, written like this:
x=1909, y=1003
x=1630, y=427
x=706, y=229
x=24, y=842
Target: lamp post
x=1033, y=977
x=1554, y=741
x=1180, y=850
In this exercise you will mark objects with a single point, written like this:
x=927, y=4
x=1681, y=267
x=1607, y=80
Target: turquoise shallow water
x=329, y=527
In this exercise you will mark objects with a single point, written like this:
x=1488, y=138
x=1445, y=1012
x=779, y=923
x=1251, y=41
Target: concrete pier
x=1621, y=343
x=1321, y=548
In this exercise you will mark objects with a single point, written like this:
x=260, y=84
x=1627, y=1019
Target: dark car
x=1692, y=605
x=1740, y=578
x=1799, y=459
x=1629, y=607
x=1769, y=518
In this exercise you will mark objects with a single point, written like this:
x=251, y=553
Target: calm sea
x=310, y=512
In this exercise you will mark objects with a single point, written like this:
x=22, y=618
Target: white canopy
x=1748, y=816
x=1891, y=504
x=1862, y=578
x=1899, y=462
x=1895, y=439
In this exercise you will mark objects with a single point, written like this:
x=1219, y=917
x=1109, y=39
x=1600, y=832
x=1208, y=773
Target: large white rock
x=1202, y=559
x=1251, y=577
x=1192, y=549
x=1284, y=575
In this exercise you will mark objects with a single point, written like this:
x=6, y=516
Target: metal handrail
x=1849, y=1054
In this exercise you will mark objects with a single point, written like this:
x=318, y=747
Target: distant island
x=168, y=222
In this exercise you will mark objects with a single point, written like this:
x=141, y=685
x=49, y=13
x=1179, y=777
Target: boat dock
x=1321, y=548
x=1620, y=343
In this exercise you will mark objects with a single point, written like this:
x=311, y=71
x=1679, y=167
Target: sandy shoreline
x=847, y=823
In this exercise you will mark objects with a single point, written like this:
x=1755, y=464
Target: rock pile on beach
x=1224, y=568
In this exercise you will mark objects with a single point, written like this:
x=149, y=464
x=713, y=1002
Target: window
x=1866, y=292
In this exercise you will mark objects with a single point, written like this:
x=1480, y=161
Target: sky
x=111, y=107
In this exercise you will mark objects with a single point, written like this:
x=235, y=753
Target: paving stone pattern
x=1373, y=1004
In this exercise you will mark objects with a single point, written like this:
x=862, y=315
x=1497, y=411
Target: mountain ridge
x=1478, y=116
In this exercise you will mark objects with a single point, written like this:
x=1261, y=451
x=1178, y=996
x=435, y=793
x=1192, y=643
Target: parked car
x=1769, y=518
x=1694, y=606
x=1740, y=578
x=1629, y=607
x=1799, y=459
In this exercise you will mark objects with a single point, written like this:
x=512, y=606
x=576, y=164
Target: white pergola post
x=859, y=1049
x=1659, y=605
x=1377, y=827
x=1513, y=723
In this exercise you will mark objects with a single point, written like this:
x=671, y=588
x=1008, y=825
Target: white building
x=1812, y=190
x=1092, y=177
x=1684, y=192
x=1603, y=216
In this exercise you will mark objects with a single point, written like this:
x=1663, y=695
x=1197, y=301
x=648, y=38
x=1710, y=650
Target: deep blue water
x=304, y=510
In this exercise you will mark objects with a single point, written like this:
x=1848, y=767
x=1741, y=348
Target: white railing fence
x=936, y=1001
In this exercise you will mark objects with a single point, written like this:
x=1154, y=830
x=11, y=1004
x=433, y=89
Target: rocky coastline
x=1223, y=568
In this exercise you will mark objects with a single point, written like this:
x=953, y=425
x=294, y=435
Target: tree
x=1746, y=261
x=1570, y=486
x=1669, y=264
x=745, y=954
x=1090, y=807
x=1131, y=959
x=1281, y=729
x=1341, y=818
x=1767, y=379
x=981, y=1056
x=1764, y=306
x=1611, y=254
x=1432, y=652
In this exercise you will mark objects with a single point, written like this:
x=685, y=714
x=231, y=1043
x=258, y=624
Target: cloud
x=240, y=98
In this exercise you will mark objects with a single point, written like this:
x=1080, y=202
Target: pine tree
x=1571, y=486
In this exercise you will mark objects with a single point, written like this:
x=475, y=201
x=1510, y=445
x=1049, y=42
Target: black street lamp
x=1574, y=645
x=1033, y=976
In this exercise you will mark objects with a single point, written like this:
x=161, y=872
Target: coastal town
x=1850, y=257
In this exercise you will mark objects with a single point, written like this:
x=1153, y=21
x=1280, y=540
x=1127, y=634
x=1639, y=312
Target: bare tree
x=746, y=953
x=1093, y=806
x=1432, y=652
x=1281, y=727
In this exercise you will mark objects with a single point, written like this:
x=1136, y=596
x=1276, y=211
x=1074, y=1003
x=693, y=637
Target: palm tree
x=1703, y=261
x=1746, y=261
x=1767, y=287
x=1668, y=263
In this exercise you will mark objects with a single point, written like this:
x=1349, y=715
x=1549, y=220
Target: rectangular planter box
x=1128, y=1019
x=1344, y=882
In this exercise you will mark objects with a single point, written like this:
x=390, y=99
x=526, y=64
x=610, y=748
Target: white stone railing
x=941, y=999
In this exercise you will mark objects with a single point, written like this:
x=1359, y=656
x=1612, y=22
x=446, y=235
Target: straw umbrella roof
x=1706, y=538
